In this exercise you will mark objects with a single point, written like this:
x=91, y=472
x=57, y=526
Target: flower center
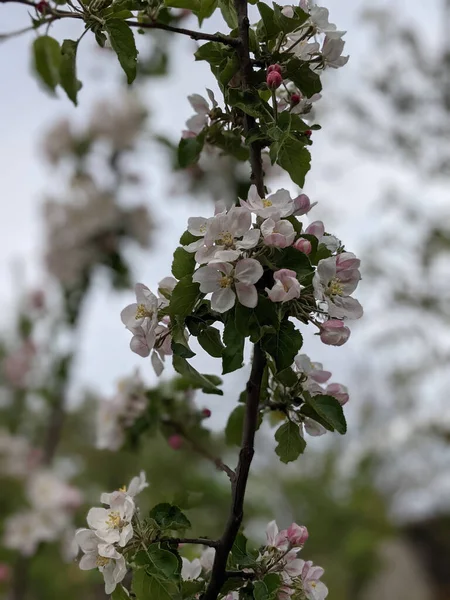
x=226, y=239
x=202, y=228
x=102, y=561
x=114, y=521
x=123, y=489
x=267, y=203
x=142, y=312
x=225, y=281
x=313, y=584
x=335, y=287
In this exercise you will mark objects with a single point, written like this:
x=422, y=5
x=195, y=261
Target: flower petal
x=247, y=294
x=248, y=271
x=223, y=299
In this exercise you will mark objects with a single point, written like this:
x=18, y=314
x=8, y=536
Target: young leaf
x=294, y=158
x=184, y=296
x=207, y=7
x=169, y=517
x=306, y=80
x=260, y=591
x=124, y=45
x=233, y=354
x=180, y=344
x=235, y=425
x=189, y=150
x=163, y=563
x=68, y=70
x=196, y=379
x=271, y=29
x=229, y=13
x=283, y=345
x=120, y=593
x=290, y=442
x=290, y=258
x=47, y=59
x=209, y=340
x=183, y=263
x=289, y=24
x=193, y=5
x=329, y=409
x=149, y=587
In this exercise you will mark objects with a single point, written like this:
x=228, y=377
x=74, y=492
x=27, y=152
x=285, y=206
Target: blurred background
x=93, y=201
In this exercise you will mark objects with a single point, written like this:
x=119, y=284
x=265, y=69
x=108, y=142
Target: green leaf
x=287, y=377
x=229, y=13
x=329, y=409
x=288, y=24
x=184, y=297
x=235, y=425
x=294, y=158
x=180, y=344
x=271, y=29
x=233, y=354
x=209, y=340
x=240, y=554
x=183, y=263
x=260, y=591
x=193, y=5
x=163, y=563
x=124, y=45
x=68, y=70
x=169, y=517
x=283, y=345
x=290, y=258
x=189, y=150
x=290, y=442
x=213, y=52
x=149, y=587
x=187, y=238
x=120, y=593
x=306, y=80
x=254, y=322
x=47, y=59
x=273, y=583
x=196, y=379
x=249, y=102
x=192, y=589
x=207, y=7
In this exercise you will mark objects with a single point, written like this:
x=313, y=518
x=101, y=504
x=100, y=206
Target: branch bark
x=199, y=541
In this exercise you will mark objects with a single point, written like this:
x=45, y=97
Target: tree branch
x=200, y=541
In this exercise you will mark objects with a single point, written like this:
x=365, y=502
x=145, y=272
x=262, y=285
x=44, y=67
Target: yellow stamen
x=226, y=239
x=335, y=287
x=142, y=312
x=123, y=488
x=102, y=561
x=267, y=203
x=114, y=521
x=225, y=281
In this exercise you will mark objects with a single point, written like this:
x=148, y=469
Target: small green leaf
x=183, y=263
x=187, y=238
x=233, y=354
x=196, y=379
x=193, y=5
x=290, y=442
x=213, y=52
x=149, y=587
x=283, y=345
x=229, y=13
x=287, y=377
x=163, y=563
x=68, y=70
x=307, y=81
x=169, y=517
x=235, y=425
x=180, y=344
x=260, y=591
x=294, y=158
x=329, y=409
x=122, y=41
x=189, y=150
x=120, y=593
x=270, y=29
x=47, y=59
x=207, y=7
x=184, y=297
x=288, y=24
x=290, y=258
x=209, y=340
x=273, y=583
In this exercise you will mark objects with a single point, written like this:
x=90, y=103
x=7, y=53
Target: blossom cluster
x=110, y=530
x=279, y=555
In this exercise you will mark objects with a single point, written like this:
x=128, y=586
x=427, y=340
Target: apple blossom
x=279, y=204
x=303, y=245
x=105, y=557
x=302, y=205
x=286, y=287
x=207, y=559
x=277, y=233
x=313, y=370
x=297, y=535
x=332, y=52
x=313, y=428
x=275, y=538
x=274, y=80
x=202, y=109
x=338, y=391
x=191, y=569
x=312, y=586
x=113, y=525
x=135, y=487
x=334, y=332
x=275, y=67
x=317, y=229
x=141, y=318
x=220, y=278
x=175, y=442
x=330, y=288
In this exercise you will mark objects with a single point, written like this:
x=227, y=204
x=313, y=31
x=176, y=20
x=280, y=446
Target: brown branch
x=239, y=575
x=200, y=541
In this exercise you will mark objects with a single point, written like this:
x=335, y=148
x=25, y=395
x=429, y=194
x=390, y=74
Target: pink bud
x=42, y=7
x=302, y=205
x=295, y=99
x=274, y=68
x=317, y=228
x=303, y=245
x=297, y=534
x=308, y=133
x=206, y=413
x=175, y=442
x=5, y=573
x=274, y=80
x=334, y=333
x=338, y=391
x=346, y=261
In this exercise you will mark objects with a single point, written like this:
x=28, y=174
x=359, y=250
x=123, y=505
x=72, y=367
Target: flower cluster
x=110, y=530
x=52, y=504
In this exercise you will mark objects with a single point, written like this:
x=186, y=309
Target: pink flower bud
x=5, y=573
x=334, y=333
x=274, y=80
x=303, y=245
x=338, y=391
x=346, y=261
x=302, y=205
x=308, y=133
x=317, y=228
x=297, y=534
x=274, y=68
x=42, y=7
x=206, y=413
x=295, y=99
x=175, y=442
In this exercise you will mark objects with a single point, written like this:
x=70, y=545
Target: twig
x=195, y=35
x=239, y=575
x=200, y=541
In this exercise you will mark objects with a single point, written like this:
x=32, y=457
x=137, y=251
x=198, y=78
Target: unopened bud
x=42, y=7
x=274, y=80
x=303, y=245
x=274, y=69
x=338, y=391
x=334, y=332
x=175, y=442
x=295, y=99
x=302, y=205
x=316, y=228
x=206, y=413
x=308, y=133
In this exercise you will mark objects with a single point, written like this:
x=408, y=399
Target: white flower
x=277, y=233
x=102, y=556
x=25, y=530
x=221, y=278
x=319, y=20
x=275, y=538
x=334, y=286
x=137, y=485
x=314, y=371
x=141, y=318
x=286, y=287
x=207, y=559
x=313, y=588
x=279, y=204
x=46, y=491
x=166, y=286
x=313, y=428
x=202, y=109
x=113, y=525
x=332, y=52
x=190, y=569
